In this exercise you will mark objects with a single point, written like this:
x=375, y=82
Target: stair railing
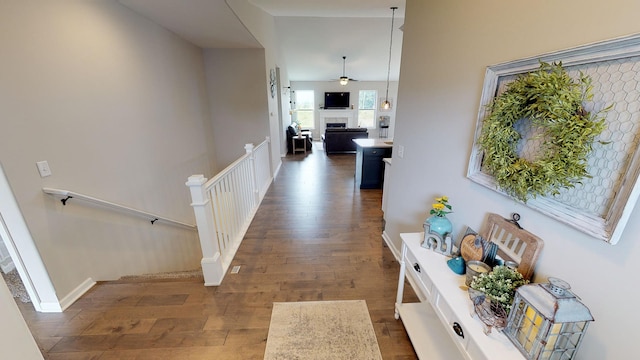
x=225, y=205
x=67, y=195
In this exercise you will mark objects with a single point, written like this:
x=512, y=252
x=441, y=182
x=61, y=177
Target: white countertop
x=373, y=143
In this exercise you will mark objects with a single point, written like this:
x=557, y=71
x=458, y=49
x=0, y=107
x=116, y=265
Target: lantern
x=547, y=321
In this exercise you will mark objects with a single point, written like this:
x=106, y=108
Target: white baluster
x=212, y=268
x=254, y=172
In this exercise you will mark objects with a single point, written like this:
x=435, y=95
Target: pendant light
x=386, y=105
x=344, y=80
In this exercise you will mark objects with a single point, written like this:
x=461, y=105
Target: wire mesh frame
x=601, y=206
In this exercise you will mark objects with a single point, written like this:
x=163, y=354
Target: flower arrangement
x=499, y=285
x=441, y=207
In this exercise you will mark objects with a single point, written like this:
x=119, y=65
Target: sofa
x=339, y=140
x=291, y=132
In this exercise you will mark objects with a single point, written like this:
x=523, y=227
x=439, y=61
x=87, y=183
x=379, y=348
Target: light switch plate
x=43, y=168
x=400, y=151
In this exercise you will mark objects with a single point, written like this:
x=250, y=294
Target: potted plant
x=499, y=285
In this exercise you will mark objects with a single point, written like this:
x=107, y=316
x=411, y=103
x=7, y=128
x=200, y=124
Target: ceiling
x=314, y=35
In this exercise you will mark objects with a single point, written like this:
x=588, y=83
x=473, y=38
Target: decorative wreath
x=551, y=100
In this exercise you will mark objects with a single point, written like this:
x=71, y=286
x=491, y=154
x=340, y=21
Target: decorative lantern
x=547, y=321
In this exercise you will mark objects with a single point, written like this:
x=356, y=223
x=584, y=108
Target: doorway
x=24, y=255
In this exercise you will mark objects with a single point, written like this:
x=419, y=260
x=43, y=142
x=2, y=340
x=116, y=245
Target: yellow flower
x=441, y=208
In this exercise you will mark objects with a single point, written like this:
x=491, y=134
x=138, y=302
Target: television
x=336, y=100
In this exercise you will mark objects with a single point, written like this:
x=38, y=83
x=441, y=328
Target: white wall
x=447, y=46
x=239, y=111
x=262, y=27
x=353, y=87
x=118, y=107
x=16, y=341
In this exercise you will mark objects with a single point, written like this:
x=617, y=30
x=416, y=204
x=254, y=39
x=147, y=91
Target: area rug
x=319, y=330
x=15, y=285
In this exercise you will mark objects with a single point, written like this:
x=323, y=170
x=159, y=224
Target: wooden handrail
x=67, y=195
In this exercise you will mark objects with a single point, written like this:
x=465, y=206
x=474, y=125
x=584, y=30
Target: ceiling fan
x=344, y=80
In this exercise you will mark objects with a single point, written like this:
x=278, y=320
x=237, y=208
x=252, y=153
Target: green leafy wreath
x=551, y=100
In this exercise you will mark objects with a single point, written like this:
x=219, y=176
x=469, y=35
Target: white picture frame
x=609, y=223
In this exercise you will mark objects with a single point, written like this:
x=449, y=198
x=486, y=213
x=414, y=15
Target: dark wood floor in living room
x=316, y=236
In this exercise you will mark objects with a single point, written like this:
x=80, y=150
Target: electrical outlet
x=400, y=151
x=43, y=168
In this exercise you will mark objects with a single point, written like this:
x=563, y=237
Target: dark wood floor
x=315, y=237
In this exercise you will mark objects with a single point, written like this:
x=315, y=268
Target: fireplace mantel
x=339, y=114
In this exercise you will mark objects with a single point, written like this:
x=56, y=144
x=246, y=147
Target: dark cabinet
x=370, y=167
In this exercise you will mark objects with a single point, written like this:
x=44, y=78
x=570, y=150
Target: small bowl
x=475, y=268
x=456, y=264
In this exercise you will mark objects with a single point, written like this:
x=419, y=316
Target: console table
x=446, y=309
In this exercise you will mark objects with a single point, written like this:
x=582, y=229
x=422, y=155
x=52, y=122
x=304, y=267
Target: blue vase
x=439, y=224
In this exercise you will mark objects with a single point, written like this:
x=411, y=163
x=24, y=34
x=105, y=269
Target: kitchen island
x=369, y=164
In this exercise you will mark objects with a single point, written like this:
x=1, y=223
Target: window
x=367, y=108
x=305, y=109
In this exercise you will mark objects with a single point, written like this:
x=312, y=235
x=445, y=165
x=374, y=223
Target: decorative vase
x=440, y=225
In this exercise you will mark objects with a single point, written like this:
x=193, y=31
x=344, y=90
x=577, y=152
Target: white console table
x=446, y=305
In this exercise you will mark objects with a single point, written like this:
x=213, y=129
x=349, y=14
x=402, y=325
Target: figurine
x=435, y=242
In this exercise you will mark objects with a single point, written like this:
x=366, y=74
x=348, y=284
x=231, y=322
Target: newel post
x=254, y=172
x=211, y=262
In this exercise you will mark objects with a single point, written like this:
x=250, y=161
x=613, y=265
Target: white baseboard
x=277, y=170
x=50, y=307
x=392, y=247
x=76, y=293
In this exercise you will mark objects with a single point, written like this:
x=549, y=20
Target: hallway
x=314, y=237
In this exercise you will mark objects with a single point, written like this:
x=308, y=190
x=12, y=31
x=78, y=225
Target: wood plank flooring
x=315, y=237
